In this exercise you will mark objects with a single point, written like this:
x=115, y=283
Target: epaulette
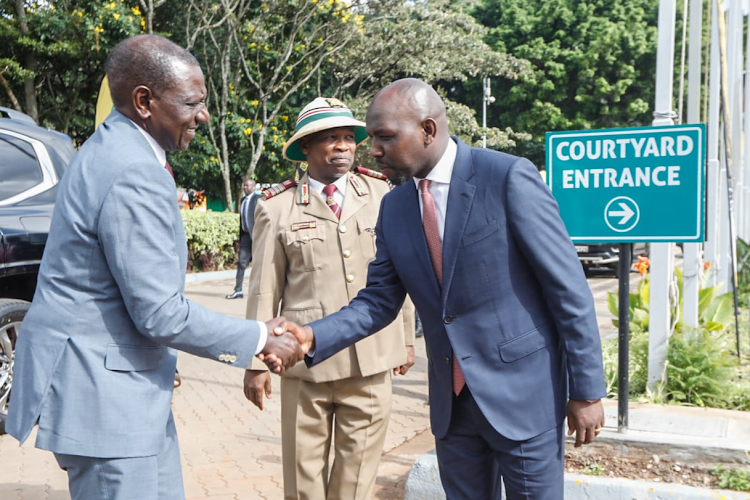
x=371, y=173
x=278, y=188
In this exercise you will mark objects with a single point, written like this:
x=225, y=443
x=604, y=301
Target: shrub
x=210, y=238
x=700, y=368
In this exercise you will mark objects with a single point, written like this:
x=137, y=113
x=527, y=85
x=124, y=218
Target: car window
x=19, y=167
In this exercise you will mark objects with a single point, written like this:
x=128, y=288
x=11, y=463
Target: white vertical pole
x=692, y=251
x=734, y=77
x=724, y=268
x=485, y=98
x=713, y=195
x=661, y=253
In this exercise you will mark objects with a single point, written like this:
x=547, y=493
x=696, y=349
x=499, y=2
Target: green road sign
x=632, y=184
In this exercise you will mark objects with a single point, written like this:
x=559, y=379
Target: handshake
x=286, y=344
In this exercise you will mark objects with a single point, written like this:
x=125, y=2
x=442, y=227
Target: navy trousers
x=473, y=459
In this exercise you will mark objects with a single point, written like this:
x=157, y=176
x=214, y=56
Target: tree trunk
x=13, y=100
x=225, y=168
x=29, y=64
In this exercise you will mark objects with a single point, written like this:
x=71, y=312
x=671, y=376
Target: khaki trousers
x=353, y=415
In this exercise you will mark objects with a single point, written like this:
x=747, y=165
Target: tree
x=54, y=54
x=593, y=64
x=433, y=41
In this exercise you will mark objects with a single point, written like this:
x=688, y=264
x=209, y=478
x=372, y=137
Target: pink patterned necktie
x=330, y=201
x=429, y=221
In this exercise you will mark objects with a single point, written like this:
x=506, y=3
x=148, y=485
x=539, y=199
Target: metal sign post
x=623, y=354
x=630, y=185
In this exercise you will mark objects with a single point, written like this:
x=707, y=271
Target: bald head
x=409, y=129
x=418, y=98
x=145, y=60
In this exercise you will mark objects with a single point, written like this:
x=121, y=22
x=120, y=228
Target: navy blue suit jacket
x=514, y=306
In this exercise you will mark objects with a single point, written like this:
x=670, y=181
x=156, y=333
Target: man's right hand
x=303, y=335
x=283, y=348
x=256, y=383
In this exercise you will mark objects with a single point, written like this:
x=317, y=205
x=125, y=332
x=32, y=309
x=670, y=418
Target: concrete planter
x=424, y=484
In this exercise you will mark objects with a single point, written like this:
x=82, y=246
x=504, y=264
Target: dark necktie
x=169, y=169
x=243, y=212
x=432, y=234
x=330, y=201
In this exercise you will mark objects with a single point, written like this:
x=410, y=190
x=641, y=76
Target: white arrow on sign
x=626, y=213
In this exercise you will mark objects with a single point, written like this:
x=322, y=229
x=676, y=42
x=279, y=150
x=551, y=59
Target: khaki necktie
x=432, y=234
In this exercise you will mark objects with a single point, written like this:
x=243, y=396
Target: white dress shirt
x=161, y=157
x=338, y=195
x=440, y=178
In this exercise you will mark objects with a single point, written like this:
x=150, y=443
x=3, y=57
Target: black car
x=604, y=256
x=32, y=161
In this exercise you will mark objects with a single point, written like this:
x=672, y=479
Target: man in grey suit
x=95, y=359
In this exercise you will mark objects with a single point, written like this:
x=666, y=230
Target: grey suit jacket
x=95, y=358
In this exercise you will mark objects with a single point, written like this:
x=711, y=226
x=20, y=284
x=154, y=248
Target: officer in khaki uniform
x=312, y=243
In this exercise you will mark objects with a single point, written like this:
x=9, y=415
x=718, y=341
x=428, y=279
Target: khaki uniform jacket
x=308, y=264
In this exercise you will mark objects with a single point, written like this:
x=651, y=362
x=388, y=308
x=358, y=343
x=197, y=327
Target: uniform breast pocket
x=366, y=228
x=303, y=245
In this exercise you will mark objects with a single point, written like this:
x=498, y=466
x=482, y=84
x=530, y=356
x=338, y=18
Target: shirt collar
x=340, y=183
x=444, y=169
x=161, y=155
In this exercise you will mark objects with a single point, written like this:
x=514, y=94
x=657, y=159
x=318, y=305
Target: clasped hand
x=286, y=344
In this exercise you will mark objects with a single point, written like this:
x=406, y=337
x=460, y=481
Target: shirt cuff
x=262, y=337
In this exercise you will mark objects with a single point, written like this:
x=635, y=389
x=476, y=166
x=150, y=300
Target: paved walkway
x=232, y=451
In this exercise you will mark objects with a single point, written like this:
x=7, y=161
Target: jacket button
x=350, y=278
x=448, y=320
x=342, y=229
x=447, y=360
x=347, y=253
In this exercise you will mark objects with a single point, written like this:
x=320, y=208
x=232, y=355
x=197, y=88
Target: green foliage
x=637, y=364
x=592, y=65
x=700, y=369
x=733, y=479
x=63, y=52
x=743, y=269
x=210, y=239
x=595, y=470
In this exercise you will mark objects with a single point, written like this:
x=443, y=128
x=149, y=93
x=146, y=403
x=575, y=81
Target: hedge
x=211, y=239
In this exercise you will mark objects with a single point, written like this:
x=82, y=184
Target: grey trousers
x=156, y=477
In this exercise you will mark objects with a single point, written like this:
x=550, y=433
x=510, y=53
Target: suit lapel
x=460, y=199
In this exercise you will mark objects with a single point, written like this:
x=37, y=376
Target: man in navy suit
x=509, y=324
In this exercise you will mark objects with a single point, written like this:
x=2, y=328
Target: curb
x=201, y=277
x=423, y=483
